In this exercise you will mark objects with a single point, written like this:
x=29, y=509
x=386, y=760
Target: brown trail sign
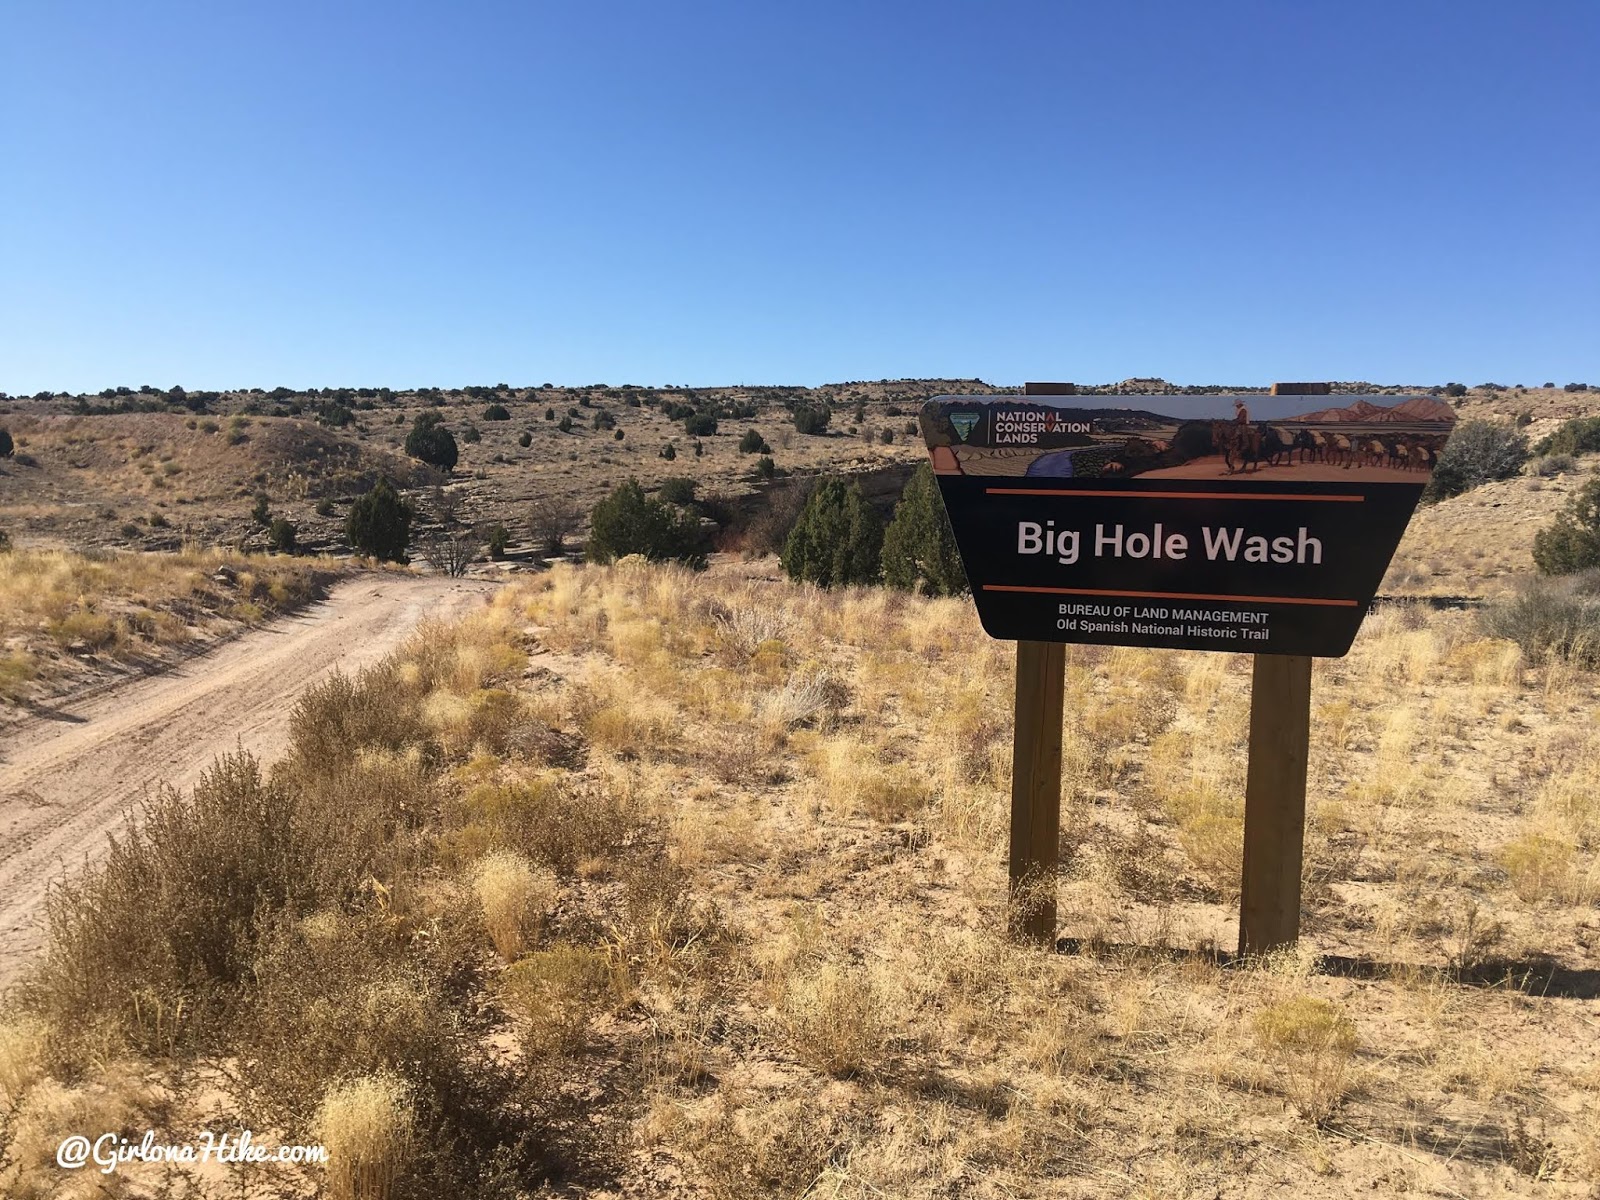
x=1253, y=523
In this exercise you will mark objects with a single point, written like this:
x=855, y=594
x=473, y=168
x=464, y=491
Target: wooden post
x=1275, y=791
x=1275, y=802
x=1036, y=789
x=1036, y=772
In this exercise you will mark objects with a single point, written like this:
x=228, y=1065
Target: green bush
x=379, y=523
x=837, y=540
x=1576, y=436
x=430, y=442
x=525, y=440
x=7, y=446
x=261, y=514
x=1477, y=452
x=281, y=535
x=1549, y=621
x=1455, y=389
x=564, y=425
x=753, y=443
x=549, y=414
x=498, y=537
x=497, y=412
x=677, y=490
x=700, y=425
x=765, y=468
x=811, y=418
x=919, y=547
x=1572, y=542
x=325, y=507
x=627, y=522
x=470, y=435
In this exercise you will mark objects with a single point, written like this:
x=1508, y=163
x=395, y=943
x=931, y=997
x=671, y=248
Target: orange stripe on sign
x=1125, y=493
x=1061, y=591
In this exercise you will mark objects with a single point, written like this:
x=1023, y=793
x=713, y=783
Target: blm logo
x=964, y=423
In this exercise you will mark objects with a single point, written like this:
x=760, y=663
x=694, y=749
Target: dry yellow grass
x=514, y=895
x=780, y=841
x=127, y=605
x=365, y=1125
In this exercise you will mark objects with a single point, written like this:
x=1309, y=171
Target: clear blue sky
x=309, y=194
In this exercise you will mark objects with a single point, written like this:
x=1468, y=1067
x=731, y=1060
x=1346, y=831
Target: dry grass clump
x=23, y=1043
x=128, y=604
x=835, y=1019
x=555, y=993
x=514, y=897
x=366, y=1126
x=119, y=1098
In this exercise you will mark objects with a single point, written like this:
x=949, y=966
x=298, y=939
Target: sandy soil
x=68, y=773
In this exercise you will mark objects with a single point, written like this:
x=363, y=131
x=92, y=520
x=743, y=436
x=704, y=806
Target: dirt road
x=65, y=779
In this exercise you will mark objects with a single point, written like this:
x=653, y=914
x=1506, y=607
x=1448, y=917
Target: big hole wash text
x=1235, y=544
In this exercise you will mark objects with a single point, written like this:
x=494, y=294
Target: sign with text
x=1251, y=523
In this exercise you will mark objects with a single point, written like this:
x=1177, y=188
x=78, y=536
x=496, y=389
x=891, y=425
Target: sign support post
x=1275, y=802
x=1036, y=772
x=1036, y=789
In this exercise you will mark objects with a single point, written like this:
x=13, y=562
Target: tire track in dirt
x=66, y=780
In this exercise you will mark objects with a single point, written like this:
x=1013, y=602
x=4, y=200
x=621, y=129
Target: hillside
x=144, y=470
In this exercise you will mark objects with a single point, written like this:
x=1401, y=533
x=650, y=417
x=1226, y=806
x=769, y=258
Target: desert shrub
x=1549, y=621
x=338, y=717
x=324, y=507
x=497, y=412
x=836, y=1020
x=669, y=452
x=1455, y=389
x=261, y=514
x=281, y=535
x=700, y=425
x=564, y=425
x=1311, y=1043
x=919, y=547
x=498, y=538
x=837, y=539
x=1553, y=464
x=769, y=528
x=7, y=446
x=155, y=942
x=556, y=992
x=618, y=435
x=525, y=440
x=677, y=490
x=1580, y=435
x=552, y=520
x=553, y=821
x=1571, y=542
x=1477, y=453
x=765, y=468
x=430, y=442
x=471, y=436
x=379, y=523
x=627, y=522
x=5, y=541
x=753, y=443
x=811, y=418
